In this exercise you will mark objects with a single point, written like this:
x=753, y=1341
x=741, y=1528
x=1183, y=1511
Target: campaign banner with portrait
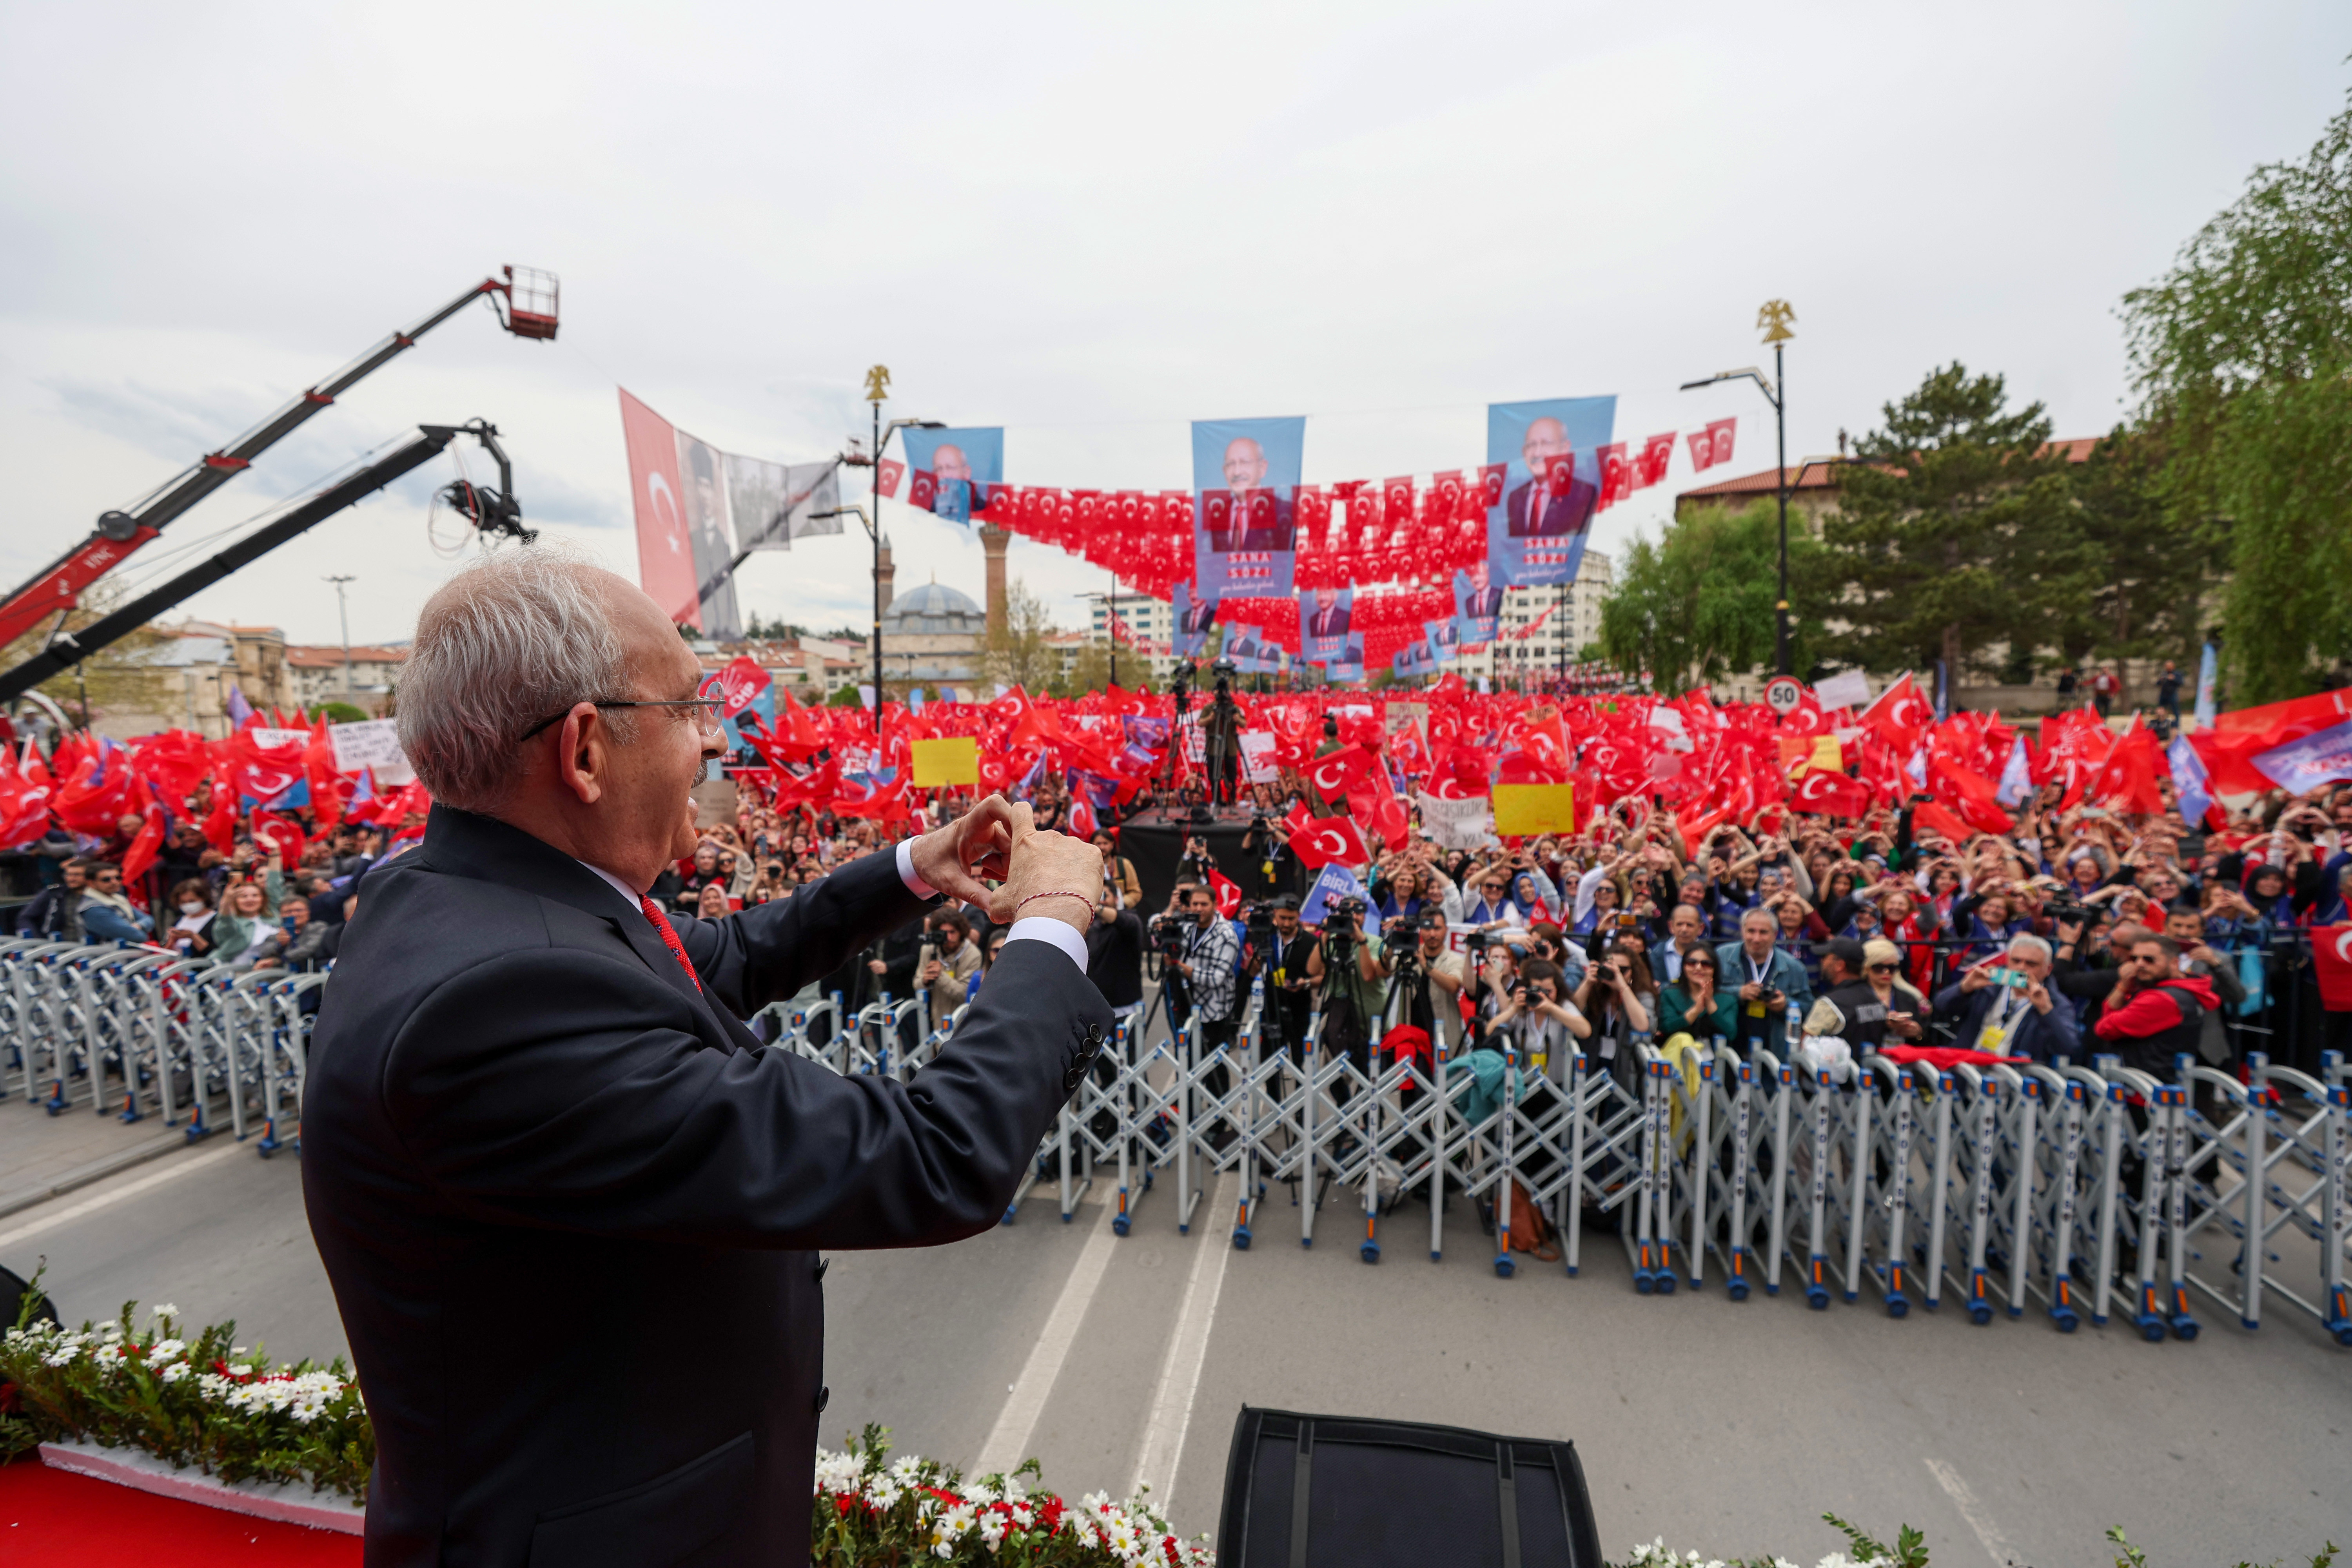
x=1190, y=621
x=1549, y=452
x=1250, y=651
x=772, y=504
x=1326, y=617
x=957, y=471
x=709, y=526
x=665, y=553
x=1413, y=661
x=1478, y=605
x=1445, y=638
x=1244, y=494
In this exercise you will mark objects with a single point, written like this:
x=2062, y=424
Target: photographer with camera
x=1539, y=1018
x=1289, y=990
x=1211, y=964
x=1115, y=955
x=1170, y=932
x=1346, y=965
x=1769, y=981
x=1424, y=979
x=2005, y=1006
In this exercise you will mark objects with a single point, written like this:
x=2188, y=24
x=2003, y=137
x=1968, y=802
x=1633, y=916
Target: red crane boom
x=526, y=301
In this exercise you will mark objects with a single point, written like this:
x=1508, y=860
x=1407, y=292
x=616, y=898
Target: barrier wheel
x=1009, y=1212
x=1504, y=1266
x=2066, y=1319
x=1433, y=1257
x=1306, y=1241
x=1736, y=1290
x=1119, y=1225
x=2151, y=1329
x=1816, y=1296
x=1241, y=1238
x=1899, y=1306
x=1371, y=1251
x=2184, y=1329
x=1146, y=1181
x=1642, y=1283
x=1981, y=1314
x=1665, y=1281
x=2342, y=1331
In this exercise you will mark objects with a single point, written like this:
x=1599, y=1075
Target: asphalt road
x=1724, y=1426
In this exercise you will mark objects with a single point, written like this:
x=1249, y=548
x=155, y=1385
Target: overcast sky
x=1087, y=224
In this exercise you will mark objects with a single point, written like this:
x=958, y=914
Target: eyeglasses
x=706, y=717
x=1880, y=968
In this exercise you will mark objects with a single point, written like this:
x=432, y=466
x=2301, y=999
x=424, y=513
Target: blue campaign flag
x=1245, y=490
x=2188, y=780
x=956, y=470
x=2301, y=766
x=1336, y=882
x=2205, y=673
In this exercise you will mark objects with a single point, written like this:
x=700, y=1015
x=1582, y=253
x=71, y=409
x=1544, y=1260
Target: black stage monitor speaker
x=1321, y=1492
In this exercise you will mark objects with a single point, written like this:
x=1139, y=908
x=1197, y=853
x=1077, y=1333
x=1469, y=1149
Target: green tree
x=1088, y=671
x=2122, y=581
x=2242, y=356
x=1018, y=652
x=1696, y=604
x=124, y=678
x=1953, y=530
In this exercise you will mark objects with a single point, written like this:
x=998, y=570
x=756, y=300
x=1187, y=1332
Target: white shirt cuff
x=1046, y=928
x=915, y=884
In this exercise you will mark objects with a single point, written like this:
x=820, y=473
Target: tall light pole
x=1774, y=318
x=343, y=612
x=878, y=389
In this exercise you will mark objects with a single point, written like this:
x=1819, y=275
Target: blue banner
x=1190, y=621
x=1244, y=485
x=1325, y=617
x=956, y=472
x=1550, y=454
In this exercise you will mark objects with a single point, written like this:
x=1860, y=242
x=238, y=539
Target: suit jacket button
x=824, y=1399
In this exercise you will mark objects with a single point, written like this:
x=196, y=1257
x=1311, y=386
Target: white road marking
x=1162, y=1449
x=1972, y=1512
x=1008, y=1440
x=48, y=1218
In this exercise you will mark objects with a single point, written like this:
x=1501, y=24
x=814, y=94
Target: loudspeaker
x=1323, y=1492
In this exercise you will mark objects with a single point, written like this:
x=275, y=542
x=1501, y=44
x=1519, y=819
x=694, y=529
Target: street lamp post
x=877, y=388
x=343, y=612
x=1774, y=318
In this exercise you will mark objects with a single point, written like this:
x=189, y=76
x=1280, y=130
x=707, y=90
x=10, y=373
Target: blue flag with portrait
x=1549, y=455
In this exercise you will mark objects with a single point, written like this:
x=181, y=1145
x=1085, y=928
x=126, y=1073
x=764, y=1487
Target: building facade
x=1570, y=619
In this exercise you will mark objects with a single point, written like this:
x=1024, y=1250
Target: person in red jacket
x=2155, y=1012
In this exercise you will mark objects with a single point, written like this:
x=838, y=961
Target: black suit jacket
x=1556, y=517
x=569, y=1205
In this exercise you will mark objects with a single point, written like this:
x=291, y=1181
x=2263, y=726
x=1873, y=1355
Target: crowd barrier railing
x=2017, y=1191
x=134, y=1033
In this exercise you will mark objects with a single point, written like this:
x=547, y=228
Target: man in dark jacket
x=2155, y=1012
x=2007, y=1007
x=536, y=1128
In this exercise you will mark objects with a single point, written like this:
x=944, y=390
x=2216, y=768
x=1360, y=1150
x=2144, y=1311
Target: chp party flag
x=2301, y=766
x=1335, y=883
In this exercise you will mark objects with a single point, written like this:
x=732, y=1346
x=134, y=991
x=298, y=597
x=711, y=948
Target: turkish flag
x=1616, y=478
x=1333, y=773
x=1657, y=453
x=1702, y=448
x=1718, y=440
x=1833, y=792
x=1490, y=489
x=282, y=834
x=143, y=850
x=1396, y=495
x=887, y=475
x=924, y=494
x=1900, y=716
x=1329, y=841
x=1229, y=895
x=2331, y=954
x=1936, y=819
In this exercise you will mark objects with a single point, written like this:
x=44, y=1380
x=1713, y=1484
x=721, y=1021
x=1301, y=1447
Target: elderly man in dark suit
x=570, y=1206
x=2007, y=1008
x=1550, y=504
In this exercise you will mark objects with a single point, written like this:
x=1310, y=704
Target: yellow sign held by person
x=952, y=761
x=1522, y=809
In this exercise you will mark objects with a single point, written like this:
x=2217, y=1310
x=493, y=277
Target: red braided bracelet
x=1034, y=897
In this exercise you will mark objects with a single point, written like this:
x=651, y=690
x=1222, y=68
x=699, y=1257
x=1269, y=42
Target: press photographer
x=1424, y=986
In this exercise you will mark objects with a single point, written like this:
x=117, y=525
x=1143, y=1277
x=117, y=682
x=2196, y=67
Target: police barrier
x=136, y=1033
x=2020, y=1189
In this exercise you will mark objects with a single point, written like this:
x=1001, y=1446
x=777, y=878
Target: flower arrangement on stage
x=872, y=1509
x=203, y=1402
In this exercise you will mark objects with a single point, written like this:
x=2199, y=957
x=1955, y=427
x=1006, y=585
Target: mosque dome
x=934, y=609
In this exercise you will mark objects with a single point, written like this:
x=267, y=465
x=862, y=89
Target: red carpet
x=58, y=1520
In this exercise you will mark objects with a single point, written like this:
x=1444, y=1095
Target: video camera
x=1342, y=929
x=1172, y=931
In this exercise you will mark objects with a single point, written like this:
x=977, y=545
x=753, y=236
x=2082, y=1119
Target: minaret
x=884, y=572
x=995, y=541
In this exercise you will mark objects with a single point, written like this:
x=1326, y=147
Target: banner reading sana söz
x=1550, y=454
x=1245, y=490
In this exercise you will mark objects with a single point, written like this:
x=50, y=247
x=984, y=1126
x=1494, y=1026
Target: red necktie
x=669, y=939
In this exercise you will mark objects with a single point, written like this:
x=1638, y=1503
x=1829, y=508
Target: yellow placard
x=954, y=760
x=1828, y=754
x=1522, y=809
x=1799, y=756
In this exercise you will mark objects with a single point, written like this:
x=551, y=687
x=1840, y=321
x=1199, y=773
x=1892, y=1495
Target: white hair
x=512, y=639
x=2032, y=946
